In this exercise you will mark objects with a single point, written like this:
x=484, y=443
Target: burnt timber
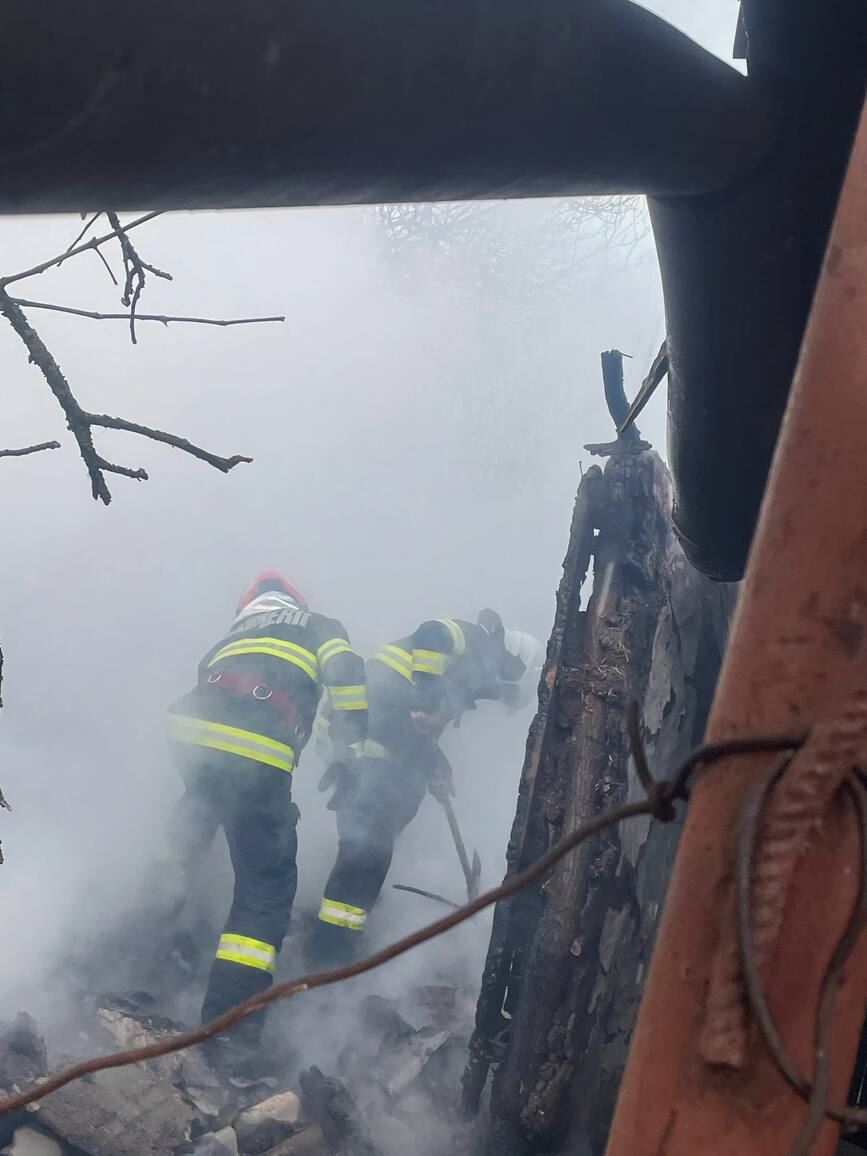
x=566, y=959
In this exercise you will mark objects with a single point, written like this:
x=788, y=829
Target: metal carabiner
x=262, y=687
x=215, y=677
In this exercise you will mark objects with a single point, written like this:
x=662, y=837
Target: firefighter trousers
x=372, y=811
x=253, y=804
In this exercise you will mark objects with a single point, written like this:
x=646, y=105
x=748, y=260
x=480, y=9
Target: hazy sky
x=408, y=463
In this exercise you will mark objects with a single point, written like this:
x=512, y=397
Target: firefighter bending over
x=236, y=739
x=416, y=686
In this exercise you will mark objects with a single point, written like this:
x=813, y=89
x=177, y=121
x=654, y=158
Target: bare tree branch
x=165, y=319
x=93, y=243
x=20, y=454
x=83, y=233
x=135, y=269
x=108, y=267
x=81, y=423
x=107, y=422
x=59, y=386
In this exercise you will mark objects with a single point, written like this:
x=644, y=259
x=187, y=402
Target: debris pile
x=395, y=1089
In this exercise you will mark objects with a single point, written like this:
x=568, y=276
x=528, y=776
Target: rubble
x=121, y=1112
x=23, y=1057
x=222, y=1143
x=401, y=1065
x=308, y=1142
x=328, y=1102
x=391, y=1136
x=267, y=1123
x=392, y=1074
x=30, y=1142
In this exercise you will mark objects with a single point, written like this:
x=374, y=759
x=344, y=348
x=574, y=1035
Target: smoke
x=412, y=459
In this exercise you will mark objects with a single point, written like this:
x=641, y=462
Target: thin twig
x=135, y=269
x=108, y=267
x=165, y=319
x=29, y=450
x=83, y=233
x=93, y=243
x=424, y=894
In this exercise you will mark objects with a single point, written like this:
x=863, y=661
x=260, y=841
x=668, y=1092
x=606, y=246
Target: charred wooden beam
x=564, y=970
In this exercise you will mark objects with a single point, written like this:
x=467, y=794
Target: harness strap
x=243, y=683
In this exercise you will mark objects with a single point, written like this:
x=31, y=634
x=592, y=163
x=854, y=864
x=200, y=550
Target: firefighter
x=236, y=739
x=416, y=687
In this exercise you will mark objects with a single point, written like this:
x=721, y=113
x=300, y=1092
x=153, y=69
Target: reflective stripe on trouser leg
x=342, y=914
x=247, y=952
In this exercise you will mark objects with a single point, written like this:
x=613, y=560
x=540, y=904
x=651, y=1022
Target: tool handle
x=459, y=842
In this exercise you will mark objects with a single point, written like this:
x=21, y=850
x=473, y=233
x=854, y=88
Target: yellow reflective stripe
x=348, y=697
x=248, y=952
x=276, y=647
x=333, y=646
x=247, y=744
x=369, y=749
x=342, y=914
x=398, y=659
x=460, y=642
x=429, y=661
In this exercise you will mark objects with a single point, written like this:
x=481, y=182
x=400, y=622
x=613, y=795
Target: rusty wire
x=816, y=1094
x=659, y=803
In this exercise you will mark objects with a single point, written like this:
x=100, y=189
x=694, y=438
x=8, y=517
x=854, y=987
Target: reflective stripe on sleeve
x=398, y=659
x=348, y=697
x=429, y=661
x=342, y=914
x=204, y=733
x=333, y=646
x=276, y=648
x=458, y=638
x=248, y=952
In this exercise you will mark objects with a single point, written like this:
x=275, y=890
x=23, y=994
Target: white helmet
x=532, y=653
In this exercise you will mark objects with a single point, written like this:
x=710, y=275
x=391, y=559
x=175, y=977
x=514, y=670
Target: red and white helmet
x=271, y=580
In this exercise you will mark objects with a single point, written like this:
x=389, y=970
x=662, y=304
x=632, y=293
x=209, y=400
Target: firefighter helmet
x=271, y=580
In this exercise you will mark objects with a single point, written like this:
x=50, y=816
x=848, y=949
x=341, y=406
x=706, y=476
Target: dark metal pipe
x=215, y=103
x=738, y=272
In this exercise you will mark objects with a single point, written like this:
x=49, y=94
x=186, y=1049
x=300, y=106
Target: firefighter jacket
x=260, y=685
x=443, y=668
